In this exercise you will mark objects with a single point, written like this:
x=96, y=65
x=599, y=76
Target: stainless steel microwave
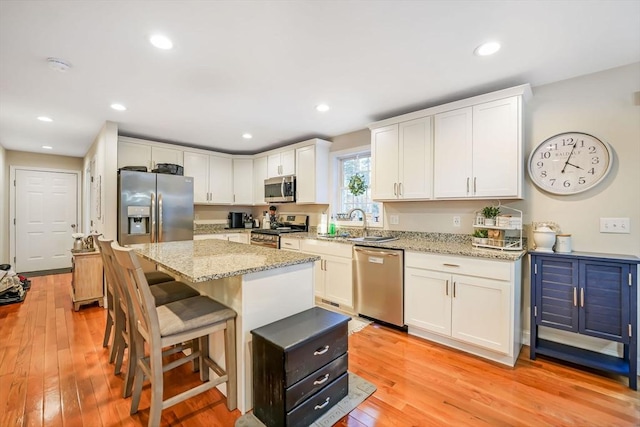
x=281, y=189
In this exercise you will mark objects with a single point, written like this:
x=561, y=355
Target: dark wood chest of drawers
x=299, y=367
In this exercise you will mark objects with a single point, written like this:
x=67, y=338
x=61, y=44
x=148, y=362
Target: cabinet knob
x=321, y=352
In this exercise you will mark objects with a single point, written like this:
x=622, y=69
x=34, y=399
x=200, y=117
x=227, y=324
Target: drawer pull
x=450, y=265
x=320, y=352
x=322, y=381
x=326, y=402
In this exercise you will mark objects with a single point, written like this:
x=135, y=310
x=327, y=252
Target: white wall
x=105, y=152
x=4, y=209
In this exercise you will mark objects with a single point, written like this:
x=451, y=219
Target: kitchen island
x=261, y=284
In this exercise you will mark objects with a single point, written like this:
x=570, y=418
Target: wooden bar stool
x=174, y=323
x=163, y=293
x=153, y=278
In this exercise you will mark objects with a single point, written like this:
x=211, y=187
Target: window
x=349, y=166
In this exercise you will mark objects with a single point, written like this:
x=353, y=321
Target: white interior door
x=46, y=214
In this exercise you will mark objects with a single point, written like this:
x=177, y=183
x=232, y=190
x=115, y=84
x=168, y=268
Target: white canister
x=563, y=243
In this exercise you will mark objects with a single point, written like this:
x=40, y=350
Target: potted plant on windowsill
x=490, y=213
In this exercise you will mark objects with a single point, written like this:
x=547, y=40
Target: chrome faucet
x=364, y=220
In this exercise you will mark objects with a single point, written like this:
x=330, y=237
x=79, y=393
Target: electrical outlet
x=615, y=225
x=456, y=221
x=196, y=216
x=394, y=219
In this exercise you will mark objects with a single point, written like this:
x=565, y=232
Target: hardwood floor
x=54, y=371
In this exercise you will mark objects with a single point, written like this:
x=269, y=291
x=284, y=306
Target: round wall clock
x=570, y=163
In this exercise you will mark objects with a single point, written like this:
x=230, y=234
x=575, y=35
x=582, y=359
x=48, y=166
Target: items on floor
x=13, y=287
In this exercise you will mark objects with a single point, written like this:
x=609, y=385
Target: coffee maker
x=235, y=220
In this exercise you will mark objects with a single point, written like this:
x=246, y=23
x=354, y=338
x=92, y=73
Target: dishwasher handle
x=378, y=253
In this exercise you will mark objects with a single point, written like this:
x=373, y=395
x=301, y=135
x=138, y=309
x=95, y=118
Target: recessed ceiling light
x=45, y=119
x=486, y=49
x=247, y=136
x=47, y=147
x=322, y=107
x=118, y=107
x=161, y=42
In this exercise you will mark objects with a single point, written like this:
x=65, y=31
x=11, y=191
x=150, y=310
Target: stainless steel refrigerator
x=154, y=207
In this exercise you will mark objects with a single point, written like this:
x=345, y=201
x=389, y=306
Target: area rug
x=356, y=324
x=359, y=390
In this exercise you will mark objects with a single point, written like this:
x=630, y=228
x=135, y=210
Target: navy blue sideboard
x=591, y=294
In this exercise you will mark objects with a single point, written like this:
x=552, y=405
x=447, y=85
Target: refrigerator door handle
x=153, y=217
x=159, y=217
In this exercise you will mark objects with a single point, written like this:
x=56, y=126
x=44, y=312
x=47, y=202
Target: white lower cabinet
x=467, y=303
x=333, y=273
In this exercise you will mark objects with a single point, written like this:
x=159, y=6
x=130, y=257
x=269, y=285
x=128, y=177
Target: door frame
x=12, y=202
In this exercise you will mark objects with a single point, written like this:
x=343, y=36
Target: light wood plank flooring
x=54, y=372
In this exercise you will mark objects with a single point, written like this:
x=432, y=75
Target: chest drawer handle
x=323, y=351
x=322, y=381
x=326, y=402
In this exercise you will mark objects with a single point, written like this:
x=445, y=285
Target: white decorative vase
x=544, y=238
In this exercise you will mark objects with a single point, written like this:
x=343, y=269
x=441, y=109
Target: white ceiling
x=262, y=66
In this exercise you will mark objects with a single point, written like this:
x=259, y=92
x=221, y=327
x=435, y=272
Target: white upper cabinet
x=453, y=154
x=281, y=163
x=221, y=179
x=478, y=151
x=136, y=152
x=470, y=148
x=402, y=161
x=259, y=175
x=242, y=181
x=312, y=173
x=212, y=177
x=197, y=166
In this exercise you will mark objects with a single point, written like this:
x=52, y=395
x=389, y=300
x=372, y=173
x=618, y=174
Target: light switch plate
x=615, y=225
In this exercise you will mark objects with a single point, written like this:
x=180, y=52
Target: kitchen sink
x=373, y=239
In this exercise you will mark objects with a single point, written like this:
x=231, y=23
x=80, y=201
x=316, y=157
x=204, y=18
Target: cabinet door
x=427, y=300
x=288, y=162
x=415, y=167
x=556, y=293
x=497, y=159
x=452, y=154
x=319, y=282
x=384, y=157
x=604, y=300
x=338, y=280
x=132, y=154
x=165, y=155
x=221, y=179
x=238, y=237
x=243, y=181
x=480, y=312
x=260, y=173
x=196, y=165
x=273, y=165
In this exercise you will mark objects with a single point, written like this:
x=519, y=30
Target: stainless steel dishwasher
x=379, y=277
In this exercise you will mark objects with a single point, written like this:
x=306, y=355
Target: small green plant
x=490, y=211
x=480, y=233
x=357, y=186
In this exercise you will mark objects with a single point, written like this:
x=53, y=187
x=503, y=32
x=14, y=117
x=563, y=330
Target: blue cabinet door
x=604, y=300
x=556, y=290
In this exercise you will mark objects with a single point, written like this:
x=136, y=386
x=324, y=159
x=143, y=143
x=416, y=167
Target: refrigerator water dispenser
x=138, y=219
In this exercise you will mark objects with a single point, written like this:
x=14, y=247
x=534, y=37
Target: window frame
x=336, y=175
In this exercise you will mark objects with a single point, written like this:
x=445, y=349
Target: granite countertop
x=203, y=260
x=437, y=243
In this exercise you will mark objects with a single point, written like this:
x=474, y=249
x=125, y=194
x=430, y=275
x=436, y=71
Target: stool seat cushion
x=191, y=313
x=155, y=277
x=167, y=292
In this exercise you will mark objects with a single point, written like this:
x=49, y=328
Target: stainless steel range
x=284, y=224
